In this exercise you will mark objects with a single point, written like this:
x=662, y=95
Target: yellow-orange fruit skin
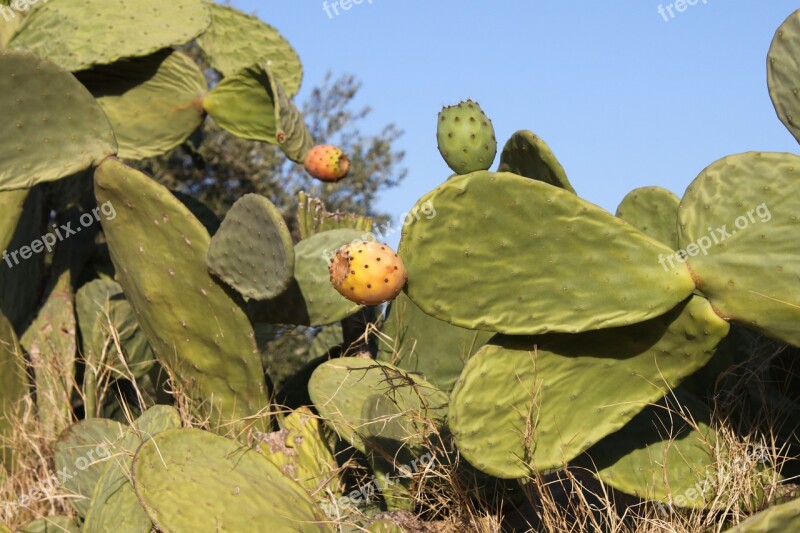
x=368, y=273
x=327, y=163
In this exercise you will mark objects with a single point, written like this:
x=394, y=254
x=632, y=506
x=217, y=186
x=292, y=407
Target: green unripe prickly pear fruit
x=466, y=138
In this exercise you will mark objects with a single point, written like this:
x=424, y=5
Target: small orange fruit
x=327, y=163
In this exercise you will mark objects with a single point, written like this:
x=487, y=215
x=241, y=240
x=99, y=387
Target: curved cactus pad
x=236, y=40
x=525, y=404
x=517, y=256
x=51, y=524
x=221, y=486
x=197, y=330
x=153, y=102
x=252, y=251
x=666, y=453
x=78, y=34
x=40, y=103
x=422, y=344
x=526, y=154
x=310, y=299
x=783, y=73
x=114, y=505
x=739, y=222
x=652, y=210
x=784, y=517
x=81, y=455
x=341, y=387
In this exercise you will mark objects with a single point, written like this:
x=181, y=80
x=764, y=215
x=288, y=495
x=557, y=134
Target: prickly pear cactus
x=652, y=210
x=526, y=404
x=784, y=517
x=13, y=386
x=327, y=163
x=783, y=73
x=310, y=299
x=153, y=102
x=313, y=218
x=419, y=343
x=114, y=505
x=34, y=116
x=368, y=273
x=50, y=342
x=81, y=453
x=196, y=329
x=236, y=40
x=252, y=251
x=51, y=524
x=739, y=211
x=62, y=33
x=226, y=486
x=526, y=154
x=546, y=261
x=465, y=136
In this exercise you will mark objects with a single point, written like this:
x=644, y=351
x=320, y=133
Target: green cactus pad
x=539, y=260
x=63, y=33
x=776, y=519
x=526, y=154
x=81, y=454
x=51, y=344
x=253, y=251
x=223, y=487
x=465, y=136
x=659, y=455
x=197, y=330
x=236, y=40
x=419, y=343
x=740, y=217
x=51, y=524
x=114, y=505
x=153, y=102
x=652, y=210
x=13, y=386
x=783, y=73
x=524, y=404
x=341, y=387
x=20, y=278
x=252, y=105
x=101, y=304
x=300, y=450
x=8, y=28
x=310, y=299
x=40, y=102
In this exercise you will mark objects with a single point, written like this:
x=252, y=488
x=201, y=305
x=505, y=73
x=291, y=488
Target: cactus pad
x=526, y=154
x=533, y=403
x=419, y=343
x=63, y=33
x=252, y=251
x=13, y=385
x=783, y=73
x=196, y=329
x=236, y=40
x=40, y=102
x=81, y=454
x=114, y=505
x=784, y=517
x=652, y=210
x=541, y=260
x=223, y=487
x=153, y=102
x=341, y=387
x=740, y=217
x=310, y=299
x=51, y=524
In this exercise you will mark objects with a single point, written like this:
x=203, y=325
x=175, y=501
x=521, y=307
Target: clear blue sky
x=624, y=98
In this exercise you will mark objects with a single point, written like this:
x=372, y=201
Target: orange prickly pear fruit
x=368, y=273
x=327, y=163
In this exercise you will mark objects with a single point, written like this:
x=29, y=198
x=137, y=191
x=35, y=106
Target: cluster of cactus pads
x=535, y=332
